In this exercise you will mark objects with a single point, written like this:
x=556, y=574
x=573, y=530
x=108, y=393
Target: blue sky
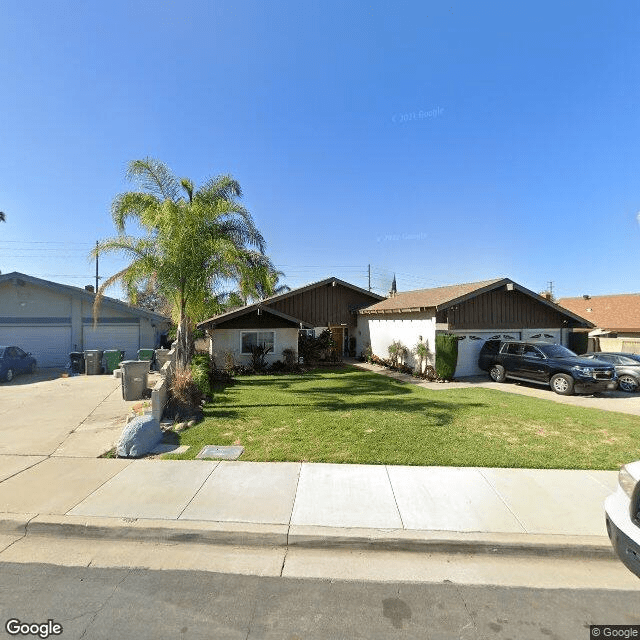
x=445, y=142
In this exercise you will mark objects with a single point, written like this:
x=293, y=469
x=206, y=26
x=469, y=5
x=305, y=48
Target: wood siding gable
x=501, y=309
x=325, y=305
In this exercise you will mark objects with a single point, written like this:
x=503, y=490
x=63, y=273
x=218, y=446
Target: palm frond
x=154, y=176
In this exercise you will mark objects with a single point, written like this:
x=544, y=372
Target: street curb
x=309, y=537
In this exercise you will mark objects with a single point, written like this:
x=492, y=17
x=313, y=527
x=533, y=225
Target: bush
x=289, y=356
x=312, y=349
x=446, y=355
x=186, y=396
x=201, y=372
x=258, y=356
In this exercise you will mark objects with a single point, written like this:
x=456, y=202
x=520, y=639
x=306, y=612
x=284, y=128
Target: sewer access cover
x=220, y=452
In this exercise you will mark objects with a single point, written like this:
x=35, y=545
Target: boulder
x=140, y=436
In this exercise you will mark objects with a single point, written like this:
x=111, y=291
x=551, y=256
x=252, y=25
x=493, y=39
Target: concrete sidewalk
x=551, y=512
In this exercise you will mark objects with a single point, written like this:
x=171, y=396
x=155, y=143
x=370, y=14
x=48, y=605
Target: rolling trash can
x=76, y=362
x=134, y=378
x=93, y=361
x=112, y=359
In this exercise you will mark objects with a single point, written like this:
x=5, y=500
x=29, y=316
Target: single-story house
x=276, y=321
x=616, y=318
x=51, y=320
x=475, y=312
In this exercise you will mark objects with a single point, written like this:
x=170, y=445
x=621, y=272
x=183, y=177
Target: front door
x=338, y=337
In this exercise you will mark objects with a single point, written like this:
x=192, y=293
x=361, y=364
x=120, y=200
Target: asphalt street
x=102, y=603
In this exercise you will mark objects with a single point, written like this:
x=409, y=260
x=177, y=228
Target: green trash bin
x=146, y=354
x=112, y=359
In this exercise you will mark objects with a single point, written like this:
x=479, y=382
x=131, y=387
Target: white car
x=622, y=512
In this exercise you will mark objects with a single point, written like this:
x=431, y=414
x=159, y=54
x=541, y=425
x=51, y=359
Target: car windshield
x=556, y=351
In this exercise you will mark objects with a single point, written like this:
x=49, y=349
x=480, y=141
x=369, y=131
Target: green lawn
x=349, y=415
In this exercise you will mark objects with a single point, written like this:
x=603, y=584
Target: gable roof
x=264, y=304
x=211, y=323
x=619, y=312
x=83, y=294
x=440, y=298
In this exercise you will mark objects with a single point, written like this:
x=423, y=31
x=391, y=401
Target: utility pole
x=551, y=289
x=369, y=277
x=97, y=277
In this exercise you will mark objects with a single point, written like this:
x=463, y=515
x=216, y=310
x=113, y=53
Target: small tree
x=422, y=354
x=397, y=352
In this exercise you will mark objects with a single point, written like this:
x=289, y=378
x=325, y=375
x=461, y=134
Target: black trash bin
x=76, y=358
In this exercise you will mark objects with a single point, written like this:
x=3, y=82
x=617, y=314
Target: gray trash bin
x=134, y=378
x=93, y=362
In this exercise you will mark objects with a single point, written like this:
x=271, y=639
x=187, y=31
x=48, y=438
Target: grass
x=352, y=416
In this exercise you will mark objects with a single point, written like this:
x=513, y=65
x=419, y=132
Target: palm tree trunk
x=184, y=339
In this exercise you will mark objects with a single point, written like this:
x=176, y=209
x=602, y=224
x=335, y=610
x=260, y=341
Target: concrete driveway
x=47, y=415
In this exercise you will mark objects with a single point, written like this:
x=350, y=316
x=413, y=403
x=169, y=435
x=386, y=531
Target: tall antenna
x=369, y=277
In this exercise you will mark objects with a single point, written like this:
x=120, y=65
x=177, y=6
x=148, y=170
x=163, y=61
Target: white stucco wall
x=229, y=340
x=408, y=328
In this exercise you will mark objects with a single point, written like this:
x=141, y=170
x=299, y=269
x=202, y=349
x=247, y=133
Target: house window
x=254, y=338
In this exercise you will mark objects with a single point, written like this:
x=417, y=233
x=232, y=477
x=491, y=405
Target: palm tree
x=197, y=241
x=3, y=217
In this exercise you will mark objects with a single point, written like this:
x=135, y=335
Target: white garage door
x=469, y=346
x=113, y=336
x=50, y=346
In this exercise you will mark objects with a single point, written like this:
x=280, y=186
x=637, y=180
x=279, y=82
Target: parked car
x=627, y=368
x=622, y=516
x=14, y=360
x=546, y=364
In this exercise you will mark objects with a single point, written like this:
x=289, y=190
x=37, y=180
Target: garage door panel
x=117, y=336
x=50, y=346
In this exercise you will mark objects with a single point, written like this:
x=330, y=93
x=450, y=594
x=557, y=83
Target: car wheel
x=627, y=383
x=562, y=384
x=9, y=375
x=497, y=373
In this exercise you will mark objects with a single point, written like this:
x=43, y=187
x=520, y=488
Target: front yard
x=352, y=416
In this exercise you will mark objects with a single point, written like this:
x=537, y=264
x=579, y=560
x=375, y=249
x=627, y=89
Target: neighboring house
x=275, y=321
x=475, y=312
x=616, y=318
x=50, y=320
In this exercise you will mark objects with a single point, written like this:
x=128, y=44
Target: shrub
x=201, y=372
x=258, y=354
x=186, y=396
x=446, y=355
x=312, y=349
x=289, y=356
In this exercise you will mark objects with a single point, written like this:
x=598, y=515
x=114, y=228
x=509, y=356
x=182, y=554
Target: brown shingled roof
x=425, y=298
x=617, y=312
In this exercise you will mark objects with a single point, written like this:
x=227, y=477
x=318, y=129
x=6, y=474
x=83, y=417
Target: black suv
x=547, y=364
